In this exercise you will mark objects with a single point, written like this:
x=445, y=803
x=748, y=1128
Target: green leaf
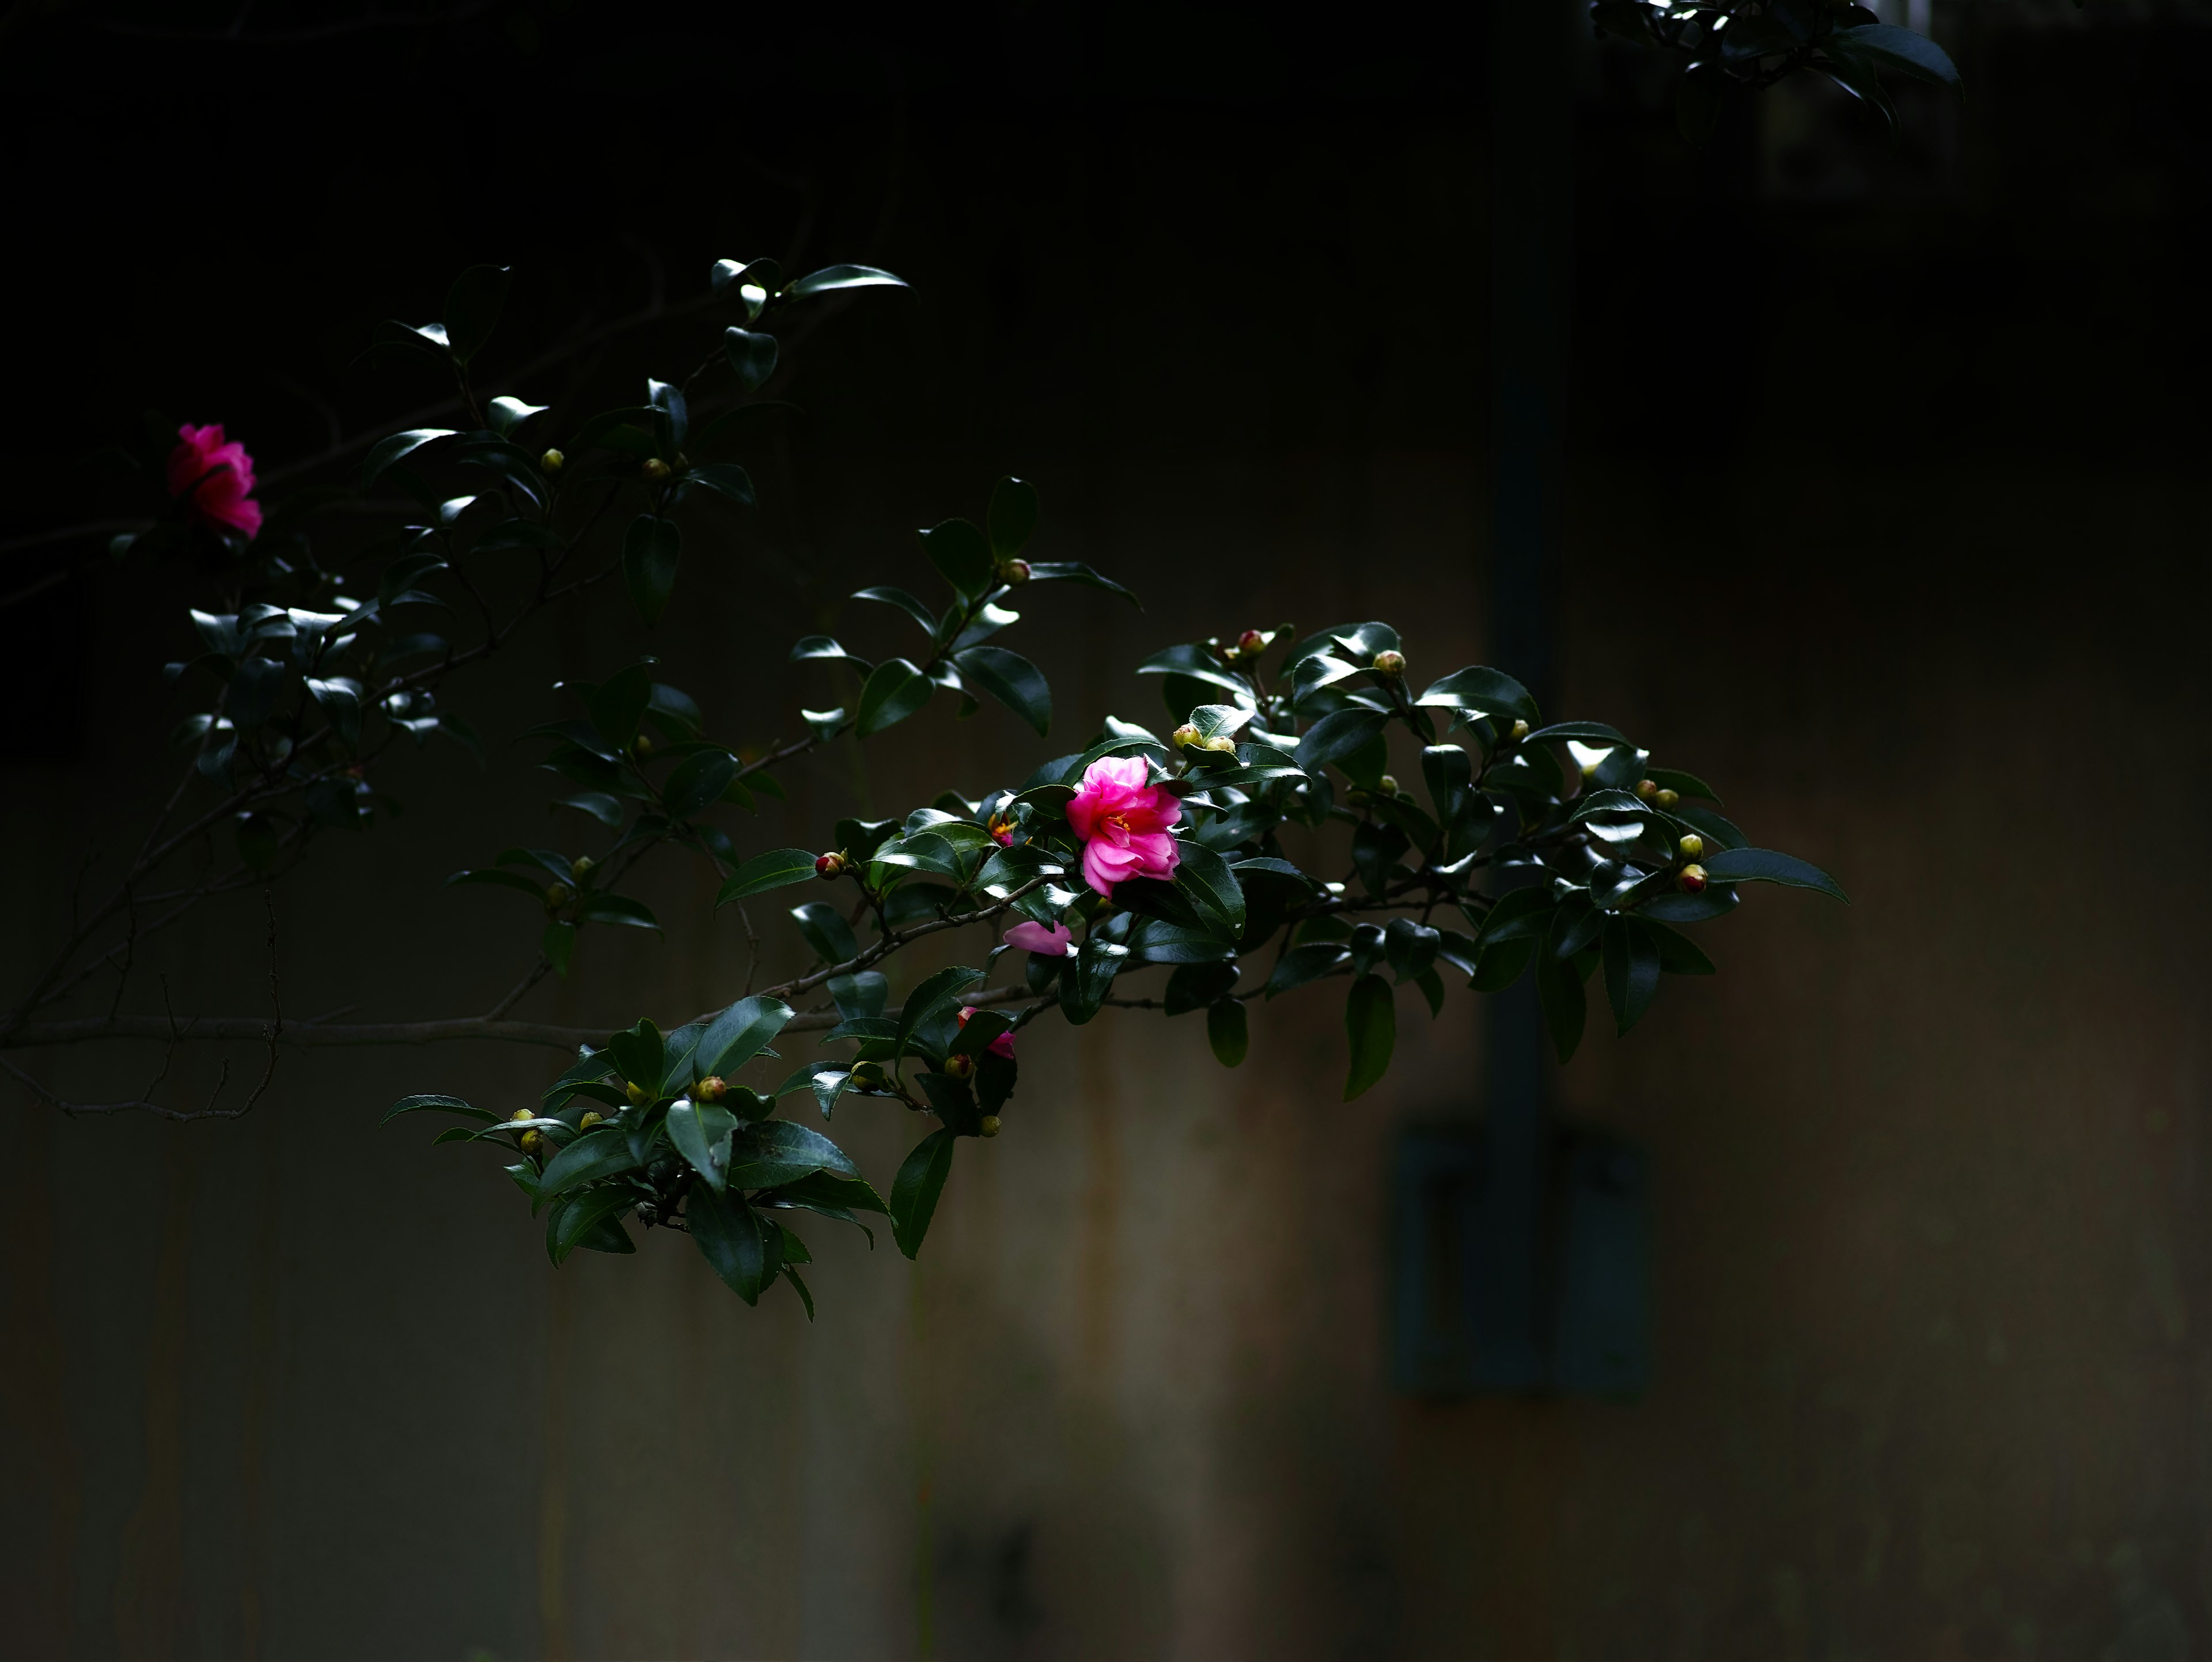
x=1482, y=691
x=1306, y=962
x=724, y=479
x=1766, y=866
x=1084, y=984
x=772, y=1152
x=618, y=703
x=591, y=1219
x=1194, y=986
x=503, y=878
x=651, y=549
x=606, y=809
x=886, y=595
x=1519, y=914
x=960, y=555
x=728, y=1235
x=1012, y=518
x=751, y=355
x=398, y=446
x=831, y=277
x=698, y=782
x=1074, y=571
x=1685, y=784
x=472, y=307
x=702, y=1132
x=777, y=868
x=894, y=692
x=1227, y=1032
x=915, y=1189
x=1499, y=965
x=505, y=415
x=1558, y=984
x=558, y=943
x=926, y=1000
x=826, y=932
x=1432, y=989
x=739, y=1034
x=1889, y=47
x=1011, y=678
x=1371, y=1020
x=1631, y=969
x=616, y=909
x=1205, y=876
x=1677, y=953
x=437, y=1104
x=1410, y=947
x=1337, y=735
x=598, y=1153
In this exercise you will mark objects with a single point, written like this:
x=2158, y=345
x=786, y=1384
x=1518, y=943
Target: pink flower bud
x=1048, y=941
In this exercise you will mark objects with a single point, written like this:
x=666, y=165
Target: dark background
x=1882, y=507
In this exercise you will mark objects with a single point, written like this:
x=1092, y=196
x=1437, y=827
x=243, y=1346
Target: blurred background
x=1865, y=478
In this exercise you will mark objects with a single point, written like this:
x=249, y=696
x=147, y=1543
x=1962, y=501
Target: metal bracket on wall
x=1591, y=1251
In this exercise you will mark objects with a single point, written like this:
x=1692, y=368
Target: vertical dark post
x=1531, y=275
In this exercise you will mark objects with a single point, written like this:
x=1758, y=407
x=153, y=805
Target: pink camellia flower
x=1001, y=1046
x=214, y=479
x=1001, y=829
x=1049, y=940
x=1124, y=823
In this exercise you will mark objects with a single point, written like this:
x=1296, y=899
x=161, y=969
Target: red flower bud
x=1691, y=879
x=1251, y=644
x=709, y=1089
x=960, y=1066
x=654, y=469
x=829, y=866
x=1646, y=789
x=1014, y=571
x=1666, y=798
x=1389, y=662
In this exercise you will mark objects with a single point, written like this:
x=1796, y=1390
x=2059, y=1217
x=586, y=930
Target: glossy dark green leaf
x=739, y=1034
x=886, y=595
x=433, y=1104
x=1766, y=866
x=698, y=782
x=751, y=355
x=934, y=994
x=1717, y=901
x=596, y=1154
x=1337, y=736
x=1013, y=516
x=914, y=1191
x=1376, y=850
x=1011, y=678
x=1685, y=784
x=960, y=555
x=606, y=809
x=504, y=879
x=727, y=1233
x=895, y=691
x=472, y=307
x=831, y=277
x=1502, y=964
x=1887, y=46
x=388, y=452
x=1859, y=77
x=507, y=415
x=1370, y=1021
x=1519, y=914
x=1559, y=984
x=591, y=1219
x=1228, y=1031
x=1306, y=962
x=702, y=1132
x=1482, y=691
x=1205, y=876
x=1432, y=989
x=558, y=943
x=775, y=869
x=651, y=551
x=724, y=479
x=1075, y=571
x=1194, y=986
x=1631, y=969
x=1677, y=953
x=1085, y=983
x=616, y=909
x=826, y=932
x=1410, y=947
x=772, y=1152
